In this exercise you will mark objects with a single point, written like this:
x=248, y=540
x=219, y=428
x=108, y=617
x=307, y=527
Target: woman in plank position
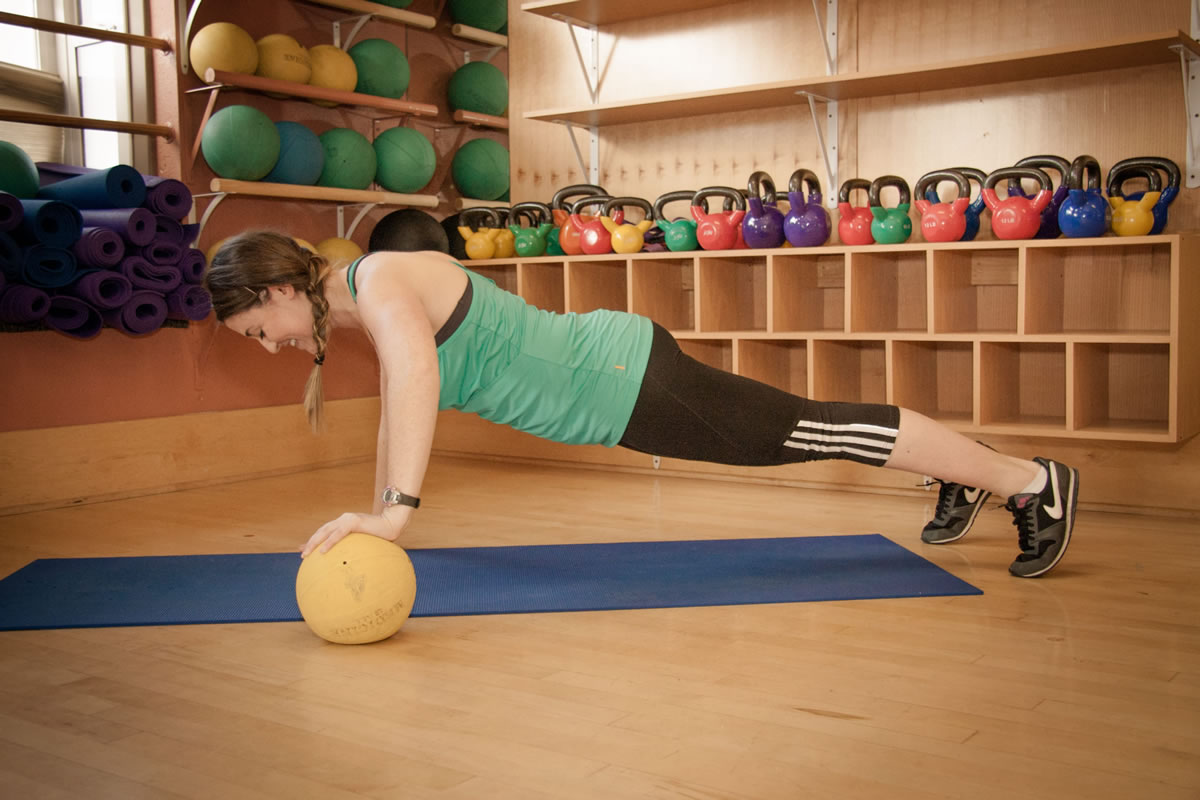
x=448, y=338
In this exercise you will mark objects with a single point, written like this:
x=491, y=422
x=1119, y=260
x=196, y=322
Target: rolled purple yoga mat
x=10, y=257
x=168, y=196
x=74, y=317
x=136, y=225
x=48, y=267
x=49, y=222
x=11, y=212
x=144, y=275
x=143, y=313
x=163, y=254
x=168, y=230
x=102, y=289
x=23, y=304
x=191, y=232
x=191, y=265
x=99, y=247
x=51, y=172
x=121, y=186
x=188, y=302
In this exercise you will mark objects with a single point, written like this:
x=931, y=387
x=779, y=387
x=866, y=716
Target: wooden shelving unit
x=610, y=12
x=398, y=16
x=220, y=79
x=1120, y=53
x=1071, y=338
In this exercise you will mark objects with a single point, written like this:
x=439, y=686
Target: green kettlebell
x=890, y=225
x=680, y=234
x=531, y=242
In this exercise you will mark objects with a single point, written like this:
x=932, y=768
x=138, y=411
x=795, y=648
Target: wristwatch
x=394, y=497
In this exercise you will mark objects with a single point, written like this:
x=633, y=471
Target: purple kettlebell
x=807, y=221
x=762, y=226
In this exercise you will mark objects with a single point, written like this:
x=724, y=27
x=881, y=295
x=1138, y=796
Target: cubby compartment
x=851, y=371
x=782, y=363
x=733, y=293
x=714, y=352
x=1122, y=388
x=503, y=275
x=664, y=289
x=1115, y=288
x=597, y=284
x=975, y=291
x=542, y=284
x=1023, y=384
x=888, y=291
x=935, y=378
x=808, y=292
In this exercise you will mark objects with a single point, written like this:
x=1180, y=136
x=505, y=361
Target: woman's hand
x=387, y=525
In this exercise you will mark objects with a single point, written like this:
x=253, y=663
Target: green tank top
x=571, y=378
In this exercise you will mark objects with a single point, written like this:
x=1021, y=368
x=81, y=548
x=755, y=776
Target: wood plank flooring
x=1082, y=684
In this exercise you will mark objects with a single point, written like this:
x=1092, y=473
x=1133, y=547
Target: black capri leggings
x=689, y=410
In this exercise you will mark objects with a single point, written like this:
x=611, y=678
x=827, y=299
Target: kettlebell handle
x=850, y=185
x=800, y=178
x=535, y=213
x=732, y=195
x=577, y=190
x=591, y=200
x=1057, y=163
x=761, y=186
x=883, y=181
x=1149, y=163
x=626, y=202
x=671, y=197
x=468, y=214
x=1127, y=170
x=1082, y=167
x=938, y=175
x=1018, y=172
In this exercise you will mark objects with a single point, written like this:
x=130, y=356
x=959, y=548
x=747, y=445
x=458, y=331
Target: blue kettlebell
x=1085, y=212
x=1169, y=193
x=807, y=222
x=1049, y=227
x=678, y=235
x=975, y=210
x=762, y=226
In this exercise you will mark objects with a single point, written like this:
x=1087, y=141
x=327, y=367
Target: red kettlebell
x=568, y=231
x=1017, y=217
x=854, y=222
x=594, y=238
x=721, y=230
x=943, y=222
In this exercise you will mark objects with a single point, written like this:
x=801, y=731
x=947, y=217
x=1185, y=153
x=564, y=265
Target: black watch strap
x=394, y=497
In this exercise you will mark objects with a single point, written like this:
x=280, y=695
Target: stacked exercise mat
x=82, y=249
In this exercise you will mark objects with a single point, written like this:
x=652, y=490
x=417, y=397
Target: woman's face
x=283, y=319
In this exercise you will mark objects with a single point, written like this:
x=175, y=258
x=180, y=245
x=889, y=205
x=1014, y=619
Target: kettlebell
x=890, y=225
x=854, y=222
x=1016, y=217
x=1169, y=193
x=719, y=230
x=975, y=209
x=943, y=222
x=807, y=221
x=594, y=238
x=480, y=243
x=531, y=242
x=763, y=224
x=679, y=235
x=1049, y=227
x=504, y=237
x=568, y=231
x=626, y=237
x=1085, y=211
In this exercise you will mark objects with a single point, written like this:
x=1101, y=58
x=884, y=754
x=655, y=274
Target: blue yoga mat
x=177, y=590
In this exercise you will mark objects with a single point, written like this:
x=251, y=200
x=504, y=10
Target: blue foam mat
x=179, y=590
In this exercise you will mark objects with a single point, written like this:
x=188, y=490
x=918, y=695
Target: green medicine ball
x=18, y=175
x=480, y=169
x=406, y=160
x=382, y=68
x=489, y=15
x=240, y=143
x=349, y=159
x=478, y=86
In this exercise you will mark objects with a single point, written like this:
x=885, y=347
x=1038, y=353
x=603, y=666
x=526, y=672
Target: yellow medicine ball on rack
x=337, y=250
x=225, y=46
x=283, y=58
x=332, y=68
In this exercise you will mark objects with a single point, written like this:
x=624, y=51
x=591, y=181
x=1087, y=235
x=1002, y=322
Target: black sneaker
x=957, y=507
x=1044, y=521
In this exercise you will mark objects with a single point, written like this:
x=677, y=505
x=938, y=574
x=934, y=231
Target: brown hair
x=246, y=266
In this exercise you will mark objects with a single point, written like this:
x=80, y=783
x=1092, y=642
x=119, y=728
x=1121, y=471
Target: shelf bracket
x=343, y=233
x=592, y=168
x=491, y=53
x=185, y=10
x=208, y=210
x=591, y=64
x=358, y=25
x=1190, y=66
x=827, y=138
x=828, y=32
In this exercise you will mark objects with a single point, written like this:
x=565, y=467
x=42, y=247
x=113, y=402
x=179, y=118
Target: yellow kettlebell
x=480, y=242
x=1133, y=217
x=627, y=237
x=505, y=238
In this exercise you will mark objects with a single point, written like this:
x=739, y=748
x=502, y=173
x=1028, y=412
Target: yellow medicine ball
x=212, y=250
x=223, y=45
x=309, y=246
x=336, y=250
x=361, y=591
x=332, y=68
x=283, y=58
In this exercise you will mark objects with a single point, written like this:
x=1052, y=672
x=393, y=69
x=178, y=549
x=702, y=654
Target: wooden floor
x=1083, y=684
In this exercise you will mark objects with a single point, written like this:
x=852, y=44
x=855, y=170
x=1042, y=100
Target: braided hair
x=242, y=272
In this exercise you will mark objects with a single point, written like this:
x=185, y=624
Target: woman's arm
x=381, y=448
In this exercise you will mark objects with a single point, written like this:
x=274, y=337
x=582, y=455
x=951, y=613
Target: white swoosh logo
x=971, y=495
x=1055, y=511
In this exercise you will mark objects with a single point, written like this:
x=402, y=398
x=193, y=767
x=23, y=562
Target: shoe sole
x=970, y=521
x=1072, y=496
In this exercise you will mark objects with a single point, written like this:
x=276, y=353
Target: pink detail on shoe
x=1024, y=500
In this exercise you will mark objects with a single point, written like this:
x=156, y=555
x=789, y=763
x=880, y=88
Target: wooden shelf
x=286, y=191
x=385, y=13
x=218, y=79
x=1113, y=54
x=481, y=120
x=610, y=12
x=479, y=35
